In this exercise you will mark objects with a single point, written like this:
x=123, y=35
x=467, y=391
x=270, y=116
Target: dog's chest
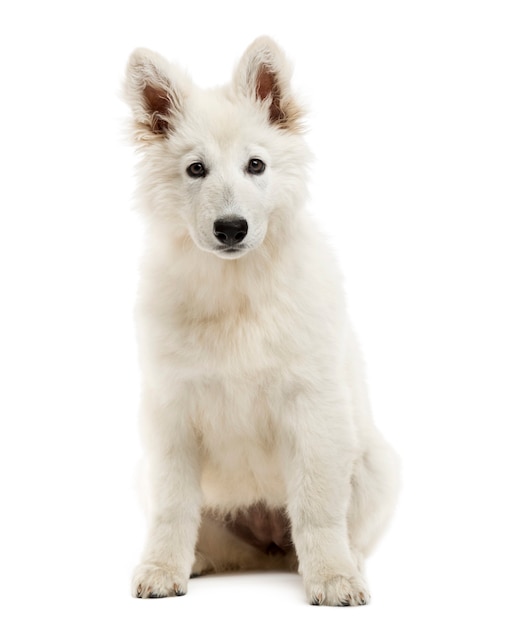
x=238, y=429
x=232, y=339
x=238, y=364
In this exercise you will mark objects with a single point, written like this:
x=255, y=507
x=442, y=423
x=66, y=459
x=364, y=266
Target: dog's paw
x=338, y=591
x=155, y=580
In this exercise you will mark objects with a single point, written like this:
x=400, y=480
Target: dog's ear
x=264, y=75
x=155, y=90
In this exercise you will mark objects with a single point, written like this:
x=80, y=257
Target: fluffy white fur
x=253, y=387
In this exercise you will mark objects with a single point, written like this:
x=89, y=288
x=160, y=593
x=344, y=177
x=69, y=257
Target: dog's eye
x=196, y=170
x=256, y=166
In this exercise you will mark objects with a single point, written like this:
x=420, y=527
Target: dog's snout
x=231, y=230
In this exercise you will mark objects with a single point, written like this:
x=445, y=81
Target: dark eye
x=256, y=166
x=196, y=170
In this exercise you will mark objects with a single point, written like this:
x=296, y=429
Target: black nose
x=230, y=230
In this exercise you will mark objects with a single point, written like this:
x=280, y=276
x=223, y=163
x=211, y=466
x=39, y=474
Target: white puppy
x=260, y=444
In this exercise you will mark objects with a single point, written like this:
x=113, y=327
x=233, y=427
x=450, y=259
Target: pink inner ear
x=267, y=87
x=158, y=104
x=265, y=83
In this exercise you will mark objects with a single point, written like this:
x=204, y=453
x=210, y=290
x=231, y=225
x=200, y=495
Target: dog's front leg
x=319, y=472
x=174, y=501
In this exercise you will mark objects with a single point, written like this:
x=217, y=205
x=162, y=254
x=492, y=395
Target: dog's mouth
x=230, y=252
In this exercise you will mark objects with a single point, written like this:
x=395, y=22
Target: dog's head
x=219, y=165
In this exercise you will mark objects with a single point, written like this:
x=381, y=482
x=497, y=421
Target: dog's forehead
x=216, y=116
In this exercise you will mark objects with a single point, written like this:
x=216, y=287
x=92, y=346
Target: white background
x=410, y=124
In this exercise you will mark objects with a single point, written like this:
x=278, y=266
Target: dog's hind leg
x=375, y=483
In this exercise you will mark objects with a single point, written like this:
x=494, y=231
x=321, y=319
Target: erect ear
x=264, y=75
x=155, y=90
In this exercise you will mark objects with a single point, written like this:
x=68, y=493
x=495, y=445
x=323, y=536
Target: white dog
x=260, y=445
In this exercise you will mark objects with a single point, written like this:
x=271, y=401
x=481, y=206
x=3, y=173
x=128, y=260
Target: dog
x=260, y=445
